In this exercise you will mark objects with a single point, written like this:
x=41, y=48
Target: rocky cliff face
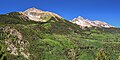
x=39, y=15
x=85, y=22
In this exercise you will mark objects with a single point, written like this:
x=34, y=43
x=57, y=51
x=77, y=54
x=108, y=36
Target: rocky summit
x=85, y=22
x=39, y=15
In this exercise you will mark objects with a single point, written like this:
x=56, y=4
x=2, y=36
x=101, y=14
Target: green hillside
x=23, y=39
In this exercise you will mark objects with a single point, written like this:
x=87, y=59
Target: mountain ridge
x=39, y=15
x=42, y=16
x=88, y=23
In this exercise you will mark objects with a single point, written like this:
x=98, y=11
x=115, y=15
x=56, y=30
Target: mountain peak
x=33, y=9
x=39, y=15
x=85, y=22
x=80, y=17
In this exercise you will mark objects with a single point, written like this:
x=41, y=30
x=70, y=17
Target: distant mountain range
x=85, y=22
x=39, y=15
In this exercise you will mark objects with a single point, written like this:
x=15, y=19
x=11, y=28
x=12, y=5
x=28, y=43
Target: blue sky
x=103, y=10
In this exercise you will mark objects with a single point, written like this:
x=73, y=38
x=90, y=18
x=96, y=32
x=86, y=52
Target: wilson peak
x=39, y=15
x=85, y=22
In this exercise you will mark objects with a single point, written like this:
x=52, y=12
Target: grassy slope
x=61, y=40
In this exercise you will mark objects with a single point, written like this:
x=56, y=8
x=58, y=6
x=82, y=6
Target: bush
x=102, y=55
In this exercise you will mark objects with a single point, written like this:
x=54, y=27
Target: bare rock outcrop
x=15, y=43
